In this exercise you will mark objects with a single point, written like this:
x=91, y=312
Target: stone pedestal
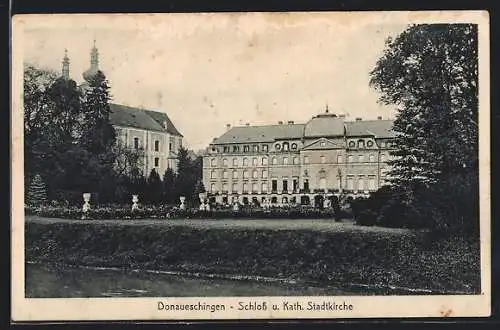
x=86, y=205
x=135, y=200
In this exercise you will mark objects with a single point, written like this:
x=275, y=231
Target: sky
x=209, y=70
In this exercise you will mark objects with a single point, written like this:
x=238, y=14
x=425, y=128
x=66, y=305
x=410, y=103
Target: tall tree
x=98, y=135
x=154, y=192
x=430, y=73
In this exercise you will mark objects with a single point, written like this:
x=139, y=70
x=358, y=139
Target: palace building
x=149, y=130
x=304, y=163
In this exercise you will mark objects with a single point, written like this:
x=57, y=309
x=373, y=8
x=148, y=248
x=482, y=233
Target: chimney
x=379, y=117
x=247, y=124
x=290, y=122
x=228, y=126
x=280, y=122
x=359, y=119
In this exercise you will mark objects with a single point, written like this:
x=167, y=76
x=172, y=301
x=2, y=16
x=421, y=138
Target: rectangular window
x=264, y=174
x=255, y=187
x=224, y=187
x=224, y=162
x=245, y=187
x=226, y=148
x=323, y=159
x=306, y=184
x=264, y=187
x=350, y=183
x=213, y=175
x=285, y=161
x=245, y=174
x=246, y=148
x=285, y=185
x=264, y=147
x=339, y=159
x=255, y=174
x=255, y=162
x=255, y=148
x=371, y=184
x=295, y=184
x=235, y=174
x=170, y=146
x=224, y=174
x=274, y=185
x=136, y=143
x=235, y=187
x=306, y=160
x=157, y=161
x=212, y=188
x=157, y=145
x=236, y=149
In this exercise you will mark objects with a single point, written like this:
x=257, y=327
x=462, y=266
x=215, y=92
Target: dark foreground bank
x=325, y=259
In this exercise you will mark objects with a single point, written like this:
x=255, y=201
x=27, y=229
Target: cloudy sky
x=208, y=70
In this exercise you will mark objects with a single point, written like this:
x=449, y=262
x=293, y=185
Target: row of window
x=255, y=174
x=285, y=161
x=361, y=183
x=156, y=144
x=369, y=144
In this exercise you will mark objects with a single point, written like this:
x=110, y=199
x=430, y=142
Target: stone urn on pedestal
x=135, y=200
x=202, y=196
x=86, y=205
x=182, y=206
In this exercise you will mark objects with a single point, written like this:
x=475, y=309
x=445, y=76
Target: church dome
x=90, y=73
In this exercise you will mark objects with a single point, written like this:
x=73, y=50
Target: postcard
x=210, y=166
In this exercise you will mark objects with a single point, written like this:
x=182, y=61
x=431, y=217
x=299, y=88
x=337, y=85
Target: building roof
x=324, y=125
x=122, y=115
x=378, y=128
x=257, y=134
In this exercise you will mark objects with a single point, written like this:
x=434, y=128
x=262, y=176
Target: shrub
x=37, y=192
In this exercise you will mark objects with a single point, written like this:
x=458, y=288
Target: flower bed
x=168, y=212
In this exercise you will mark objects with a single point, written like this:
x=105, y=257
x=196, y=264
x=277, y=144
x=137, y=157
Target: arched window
x=294, y=146
x=157, y=145
x=245, y=174
x=322, y=183
x=235, y=174
x=350, y=183
x=224, y=174
x=255, y=161
x=361, y=184
x=371, y=183
x=296, y=160
x=264, y=160
x=264, y=174
x=224, y=162
x=285, y=161
x=372, y=158
x=361, y=144
x=212, y=188
x=255, y=174
x=275, y=161
x=235, y=161
x=284, y=200
x=213, y=174
x=213, y=162
x=245, y=161
x=382, y=157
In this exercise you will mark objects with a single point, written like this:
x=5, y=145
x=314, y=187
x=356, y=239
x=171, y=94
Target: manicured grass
x=339, y=256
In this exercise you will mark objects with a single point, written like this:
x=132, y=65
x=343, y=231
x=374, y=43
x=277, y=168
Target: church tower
x=94, y=64
x=65, y=65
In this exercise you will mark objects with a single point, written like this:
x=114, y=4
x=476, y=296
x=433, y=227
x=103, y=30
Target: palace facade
x=292, y=163
x=147, y=130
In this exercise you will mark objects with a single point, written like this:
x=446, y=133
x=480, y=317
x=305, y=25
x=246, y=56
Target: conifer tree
x=168, y=185
x=154, y=187
x=37, y=194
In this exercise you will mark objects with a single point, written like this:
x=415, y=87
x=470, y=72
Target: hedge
x=411, y=260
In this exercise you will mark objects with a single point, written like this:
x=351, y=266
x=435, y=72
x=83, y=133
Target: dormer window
x=369, y=143
x=294, y=146
x=255, y=148
x=322, y=143
x=277, y=146
x=285, y=146
x=352, y=144
x=361, y=144
x=264, y=147
x=236, y=149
